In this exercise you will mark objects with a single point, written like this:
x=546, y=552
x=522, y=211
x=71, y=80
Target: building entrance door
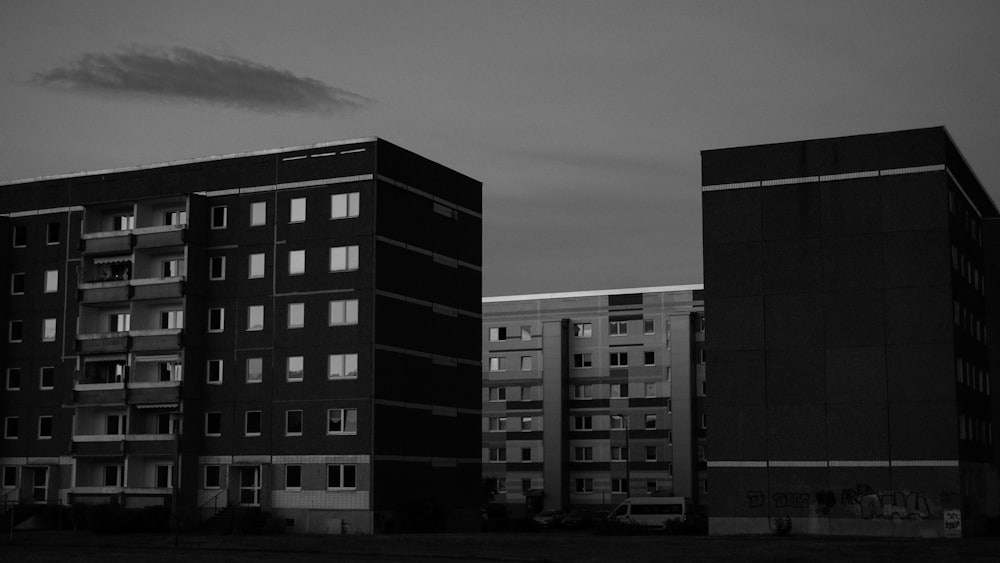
x=39, y=483
x=250, y=486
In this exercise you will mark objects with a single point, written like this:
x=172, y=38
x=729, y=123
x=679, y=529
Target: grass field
x=552, y=546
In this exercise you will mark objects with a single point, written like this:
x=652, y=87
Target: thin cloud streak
x=185, y=74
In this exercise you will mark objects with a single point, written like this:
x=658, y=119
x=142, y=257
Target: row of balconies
x=134, y=340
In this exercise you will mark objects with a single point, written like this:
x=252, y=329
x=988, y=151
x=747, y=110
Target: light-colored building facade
x=590, y=397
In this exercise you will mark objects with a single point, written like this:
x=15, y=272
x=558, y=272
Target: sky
x=584, y=120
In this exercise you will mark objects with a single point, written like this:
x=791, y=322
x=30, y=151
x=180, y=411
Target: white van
x=650, y=511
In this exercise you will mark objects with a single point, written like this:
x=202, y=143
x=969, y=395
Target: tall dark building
x=847, y=290
x=291, y=329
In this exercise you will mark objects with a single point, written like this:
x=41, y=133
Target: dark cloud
x=186, y=74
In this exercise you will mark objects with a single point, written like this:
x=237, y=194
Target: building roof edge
x=592, y=293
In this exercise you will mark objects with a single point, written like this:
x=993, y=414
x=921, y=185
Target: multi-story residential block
x=289, y=329
x=847, y=281
x=594, y=396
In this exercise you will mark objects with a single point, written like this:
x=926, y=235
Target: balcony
x=102, y=343
x=157, y=288
x=104, y=292
x=159, y=236
x=158, y=445
x=154, y=392
x=106, y=241
x=100, y=445
x=156, y=340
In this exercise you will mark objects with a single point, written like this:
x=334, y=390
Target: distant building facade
x=591, y=397
x=292, y=330
x=852, y=289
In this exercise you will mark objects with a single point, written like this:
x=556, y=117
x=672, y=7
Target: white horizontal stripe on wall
x=837, y=463
x=827, y=178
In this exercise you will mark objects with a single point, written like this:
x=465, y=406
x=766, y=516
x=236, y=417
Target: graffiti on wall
x=862, y=502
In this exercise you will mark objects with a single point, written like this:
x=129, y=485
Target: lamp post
x=628, y=454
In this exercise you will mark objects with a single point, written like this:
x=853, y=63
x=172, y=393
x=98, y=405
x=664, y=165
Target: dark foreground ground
x=553, y=546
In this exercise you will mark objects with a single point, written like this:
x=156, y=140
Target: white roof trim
x=593, y=293
x=192, y=160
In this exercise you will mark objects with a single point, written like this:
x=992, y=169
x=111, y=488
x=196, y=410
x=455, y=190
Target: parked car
x=549, y=518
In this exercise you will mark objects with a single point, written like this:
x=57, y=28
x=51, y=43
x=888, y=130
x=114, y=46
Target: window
x=11, y=427
x=344, y=312
x=582, y=361
x=670, y=437
x=214, y=372
x=582, y=330
x=13, y=379
x=171, y=319
x=17, y=283
x=258, y=213
x=618, y=328
x=296, y=262
x=498, y=364
x=9, y=477
x=704, y=421
x=583, y=453
x=47, y=377
x=217, y=268
x=175, y=217
x=650, y=422
x=119, y=322
x=296, y=315
x=170, y=371
x=164, y=476
x=619, y=453
x=213, y=477
x=19, y=238
x=122, y=222
x=585, y=485
x=342, y=421
x=618, y=359
x=498, y=334
x=44, y=427
x=648, y=326
x=583, y=391
x=297, y=210
x=583, y=423
x=216, y=320
x=343, y=206
x=650, y=487
x=525, y=333
x=498, y=424
x=341, y=476
x=51, y=281
x=213, y=424
x=525, y=363
x=114, y=424
x=526, y=393
x=251, y=423
x=650, y=453
x=293, y=423
x=670, y=404
x=255, y=318
x=255, y=370
x=649, y=358
x=256, y=265
x=618, y=421
x=113, y=475
x=294, y=368
x=498, y=454
x=293, y=477
x=650, y=389
x=48, y=330
x=343, y=258
x=525, y=454
x=498, y=393
x=525, y=424
x=15, y=332
x=525, y=485
x=220, y=217
x=701, y=324
x=619, y=390
x=342, y=366
x=619, y=486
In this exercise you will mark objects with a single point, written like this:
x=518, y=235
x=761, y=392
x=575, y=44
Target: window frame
x=649, y=326
x=296, y=483
x=210, y=417
x=260, y=371
x=209, y=369
x=255, y=312
x=256, y=261
x=297, y=262
x=296, y=315
x=618, y=328
x=258, y=213
x=11, y=423
x=342, y=473
x=51, y=428
x=51, y=370
x=344, y=360
x=10, y=372
x=14, y=286
x=19, y=337
x=50, y=328
x=218, y=477
x=618, y=359
x=349, y=262
x=215, y=225
x=51, y=281
x=583, y=330
x=349, y=310
x=290, y=415
x=351, y=205
x=212, y=261
x=289, y=371
x=258, y=415
x=217, y=324
x=344, y=421
x=297, y=210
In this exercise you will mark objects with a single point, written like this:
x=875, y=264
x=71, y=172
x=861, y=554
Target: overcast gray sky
x=584, y=120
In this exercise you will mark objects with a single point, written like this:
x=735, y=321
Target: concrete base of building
x=816, y=525
x=318, y=521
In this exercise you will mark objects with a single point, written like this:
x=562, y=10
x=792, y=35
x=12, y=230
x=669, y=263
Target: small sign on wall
x=952, y=523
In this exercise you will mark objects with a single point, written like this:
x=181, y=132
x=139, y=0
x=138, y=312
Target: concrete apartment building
x=852, y=289
x=290, y=329
x=590, y=397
